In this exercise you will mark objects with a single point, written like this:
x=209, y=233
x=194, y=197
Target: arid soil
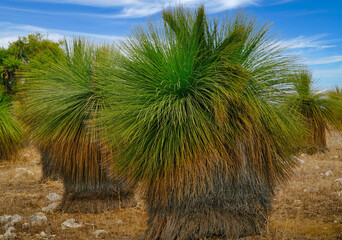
x=307, y=207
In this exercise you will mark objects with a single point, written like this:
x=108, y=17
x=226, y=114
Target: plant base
x=94, y=202
x=226, y=209
x=48, y=167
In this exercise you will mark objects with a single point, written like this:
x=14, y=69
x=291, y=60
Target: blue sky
x=313, y=28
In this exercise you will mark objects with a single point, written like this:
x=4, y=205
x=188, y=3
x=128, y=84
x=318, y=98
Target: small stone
x=8, y=225
x=38, y=218
x=43, y=234
x=25, y=225
x=338, y=181
x=8, y=235
x=5, y=218
x=70, y=223
x=328, y=173
x=312, y=189
x=334, y=157
x=119, y=222
x=24, y=171
x=316, y=167
x=99, y=233
x=10, y=229
x=10, y=220
x=301, y=161
x=51, y=207
x=54, y=197
x=337, y=193
x=15, y=218
x=34, y=162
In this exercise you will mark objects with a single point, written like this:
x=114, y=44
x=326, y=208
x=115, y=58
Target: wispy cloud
x=41, y=11
x=141, y=8
x=315, y=42
x=9, y=32
x=300, y=13
x=284, y=1
x=335, y=73
x=325, y=60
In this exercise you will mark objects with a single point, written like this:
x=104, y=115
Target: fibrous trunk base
x=317, y=140
x=48, y=167
x=229, y=209
x=95, y=202
x=201, y=226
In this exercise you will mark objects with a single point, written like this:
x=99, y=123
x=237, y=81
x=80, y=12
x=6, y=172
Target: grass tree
x=316, y=108
x=336, y=97
x=61, y=100
x=194, y=115
x=42, y=60
x=10, y=129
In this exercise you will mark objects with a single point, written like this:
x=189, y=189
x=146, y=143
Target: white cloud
x=315, y=42
x=141, y=8
x=325, y=60
x=5, y=40
x=135, y=12
x=9, y=32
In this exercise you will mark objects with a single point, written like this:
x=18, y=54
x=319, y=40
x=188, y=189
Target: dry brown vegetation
x=304, y=208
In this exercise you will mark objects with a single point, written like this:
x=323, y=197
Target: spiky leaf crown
x=192, y=89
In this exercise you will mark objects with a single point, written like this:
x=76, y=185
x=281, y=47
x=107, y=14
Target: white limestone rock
x=38, y=219
x=70, y=223
x=53, y=197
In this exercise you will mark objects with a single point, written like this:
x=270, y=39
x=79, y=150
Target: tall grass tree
x=194, y=115
x=318, y=110
x=62, y=101
x=41, y=59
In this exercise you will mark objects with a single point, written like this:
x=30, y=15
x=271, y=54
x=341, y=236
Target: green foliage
x=11, y=63
x=316, y=108
x=3, y=55
x=61, y=101
x=10, y=129
x=60, y=94
x=192, y=89
x=335, y=96
x=19, y=54
x=27, y=47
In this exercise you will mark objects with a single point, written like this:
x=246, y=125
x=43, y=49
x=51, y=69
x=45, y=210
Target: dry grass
x=304, y=208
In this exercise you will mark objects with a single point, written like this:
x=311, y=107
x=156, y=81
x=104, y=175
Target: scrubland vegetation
x=191, y=128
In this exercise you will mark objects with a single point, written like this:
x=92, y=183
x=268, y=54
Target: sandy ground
x=307, y=207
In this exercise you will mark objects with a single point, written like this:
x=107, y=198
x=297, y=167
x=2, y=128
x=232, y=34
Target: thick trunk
x=219, y=207
x=9, y=82
x=317, y=139
x=320, y=138
x=48, y=166
x=103, y=195
x=89, y=185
